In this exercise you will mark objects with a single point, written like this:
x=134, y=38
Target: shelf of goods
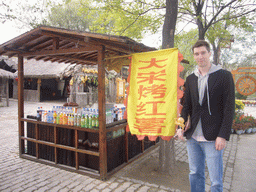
x=77, y=149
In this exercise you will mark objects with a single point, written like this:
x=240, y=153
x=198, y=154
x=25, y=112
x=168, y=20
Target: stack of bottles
x=81, y=117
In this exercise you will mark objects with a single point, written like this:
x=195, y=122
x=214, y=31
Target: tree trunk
x=169, y=24
x=201, y=32
x=167, y=150
x=216, y=54
x=198, y=10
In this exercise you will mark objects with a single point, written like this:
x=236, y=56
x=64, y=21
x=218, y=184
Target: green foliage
x=117, y=17
x=240, y=96
x=129, y=19
x=69, y=16
x=184, y=42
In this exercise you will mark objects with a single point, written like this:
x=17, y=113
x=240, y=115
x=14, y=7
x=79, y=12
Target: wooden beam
x=66, y=32
x=56, y=43
x=58, y=52
x=65, y=59
x=76, y=40
x=102, y=115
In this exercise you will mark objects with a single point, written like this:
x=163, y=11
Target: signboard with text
x=152, y=99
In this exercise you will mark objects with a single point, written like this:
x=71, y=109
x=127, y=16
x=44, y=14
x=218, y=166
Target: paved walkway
x=18, y=174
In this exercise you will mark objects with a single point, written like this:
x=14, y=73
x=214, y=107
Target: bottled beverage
x=54, y=117
x=65, y=119
x=44, y=116
x=69, y=119
x=61, y=118
x=72, y=119
x=89, y=120
x=39, y=113
x=120, y=114
x=82, y=120
x=97, y=119
x=58, y=118
x=79, y=120
x=75, y=119
x=115, y=118
x=94, y=119
x=48, y=117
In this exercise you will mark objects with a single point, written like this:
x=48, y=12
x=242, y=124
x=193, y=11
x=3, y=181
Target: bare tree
x=208, y=14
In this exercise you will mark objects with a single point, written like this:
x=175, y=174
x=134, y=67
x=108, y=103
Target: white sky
x=8, y=32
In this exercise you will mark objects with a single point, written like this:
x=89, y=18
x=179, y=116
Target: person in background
x=210, y=104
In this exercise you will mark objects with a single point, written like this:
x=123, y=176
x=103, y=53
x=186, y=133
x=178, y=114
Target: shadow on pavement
x=146, y=170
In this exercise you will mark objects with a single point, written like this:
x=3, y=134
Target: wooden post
x=7, y=92
x=102, y=114
x=20, y=103
x=39, y=89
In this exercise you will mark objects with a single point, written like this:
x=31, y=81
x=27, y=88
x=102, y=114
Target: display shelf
x=77, y=148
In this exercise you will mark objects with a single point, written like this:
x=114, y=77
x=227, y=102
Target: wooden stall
x=97, y=152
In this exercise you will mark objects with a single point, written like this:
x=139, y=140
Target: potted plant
x=238, y=128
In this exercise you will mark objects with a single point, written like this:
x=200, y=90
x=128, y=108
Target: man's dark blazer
x=222, y=105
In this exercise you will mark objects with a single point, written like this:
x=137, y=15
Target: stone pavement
x=18, y=174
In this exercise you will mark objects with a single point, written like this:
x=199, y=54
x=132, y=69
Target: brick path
x=18, y=174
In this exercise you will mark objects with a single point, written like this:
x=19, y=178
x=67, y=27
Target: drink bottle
x=97, y=119
x=82, y=120
x=58, y=118
x=93, y=119
x=90, y=120
x=54, y=117
x=39, y=114
x=44, y=116
x=49, y=117
x=61, y=118
x=79, y=120
x=75, y=119
x=72, y=119
x=69, y=118
x=65, y=119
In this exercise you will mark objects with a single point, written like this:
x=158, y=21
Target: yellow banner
x=152, y=99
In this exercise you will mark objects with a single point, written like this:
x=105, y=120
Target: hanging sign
x=152, y=99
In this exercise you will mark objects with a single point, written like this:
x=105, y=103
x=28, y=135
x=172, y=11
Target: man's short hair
x=201, y=43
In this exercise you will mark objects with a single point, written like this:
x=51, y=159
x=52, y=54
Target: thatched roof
x=8, y=64
x=45, y=69
x=6, y=74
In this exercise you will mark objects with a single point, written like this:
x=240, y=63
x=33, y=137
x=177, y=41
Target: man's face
x=202, y=56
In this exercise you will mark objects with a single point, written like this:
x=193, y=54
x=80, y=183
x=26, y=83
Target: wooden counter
x=77, y=149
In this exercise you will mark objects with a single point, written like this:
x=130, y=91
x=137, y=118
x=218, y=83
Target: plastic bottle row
x=82, y=117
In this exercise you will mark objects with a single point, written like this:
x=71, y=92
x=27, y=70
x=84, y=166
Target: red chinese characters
x=151, y=93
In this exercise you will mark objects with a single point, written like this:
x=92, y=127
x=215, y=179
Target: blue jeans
x=198, y=152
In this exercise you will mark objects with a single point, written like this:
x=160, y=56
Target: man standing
x=210, y=103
